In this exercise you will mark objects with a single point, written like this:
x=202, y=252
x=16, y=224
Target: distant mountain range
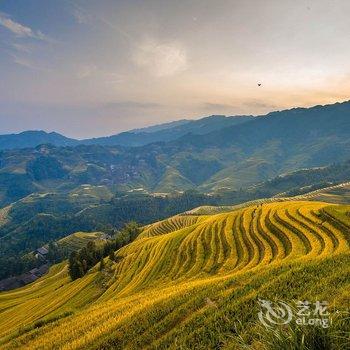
x=162, y=126
x=212, y=154
x=137, y=137
x=28, y=139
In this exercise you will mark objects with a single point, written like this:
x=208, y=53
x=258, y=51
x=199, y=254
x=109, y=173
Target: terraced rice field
x=338, y=194
x=193, y=282
x=79, y=240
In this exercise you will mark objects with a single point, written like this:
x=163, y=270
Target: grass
x=194, y=281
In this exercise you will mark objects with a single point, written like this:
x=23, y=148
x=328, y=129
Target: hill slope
x=337, y=194
x=226, y=159
x=194, y=282
x=78, y=240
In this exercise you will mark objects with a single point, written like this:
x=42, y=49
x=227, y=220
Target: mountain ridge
x=133, y=138
x=166, y=132
x=229, y=158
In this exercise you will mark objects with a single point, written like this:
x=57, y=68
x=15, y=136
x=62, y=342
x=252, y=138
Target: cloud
x=20, y=30
x=161, y=58
x=22, y=47
x=24, y=62
x=216, y=106
x=256, y=104
x=80, y=15
x=238, y=106
x=86, y=71
x=114, y=78
x=130, y=104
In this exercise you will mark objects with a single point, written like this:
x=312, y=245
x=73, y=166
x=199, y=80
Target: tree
x=111, y=255
x=55, y=253
x=75, y=267
x=127, y=234
x=81, y=261
x=102, y=264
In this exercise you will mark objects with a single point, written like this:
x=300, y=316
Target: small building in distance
x=41, y=253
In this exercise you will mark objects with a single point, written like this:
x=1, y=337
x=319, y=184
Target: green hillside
x=337, y=194
x=227, y=157
x=193, y=281
x=79, y=240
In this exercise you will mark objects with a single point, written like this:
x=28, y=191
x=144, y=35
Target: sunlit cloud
x=194, y=60
x=161, y=58
x=19, y=29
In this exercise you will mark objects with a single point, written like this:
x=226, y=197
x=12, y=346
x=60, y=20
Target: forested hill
x=294, y=125
x=228, y=159
x=171, y=131
x=34, y=138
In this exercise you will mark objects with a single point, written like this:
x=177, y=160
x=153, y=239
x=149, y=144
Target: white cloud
x=86, y=71
x=161, y=58
x=19, y=29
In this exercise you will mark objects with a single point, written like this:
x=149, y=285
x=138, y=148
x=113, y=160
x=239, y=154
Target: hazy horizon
x=161, y=123
x=88, y=69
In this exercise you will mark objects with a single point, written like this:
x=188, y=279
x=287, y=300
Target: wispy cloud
x=86, y=71
x=80, y=15
x=114, y=78
x=19, y=29
x=21, y=47
x=131, y=105
x=216, y=106
x=27, y=63
x=116, y=28
x=246, y=106
x=257, y=104
x=161, y=58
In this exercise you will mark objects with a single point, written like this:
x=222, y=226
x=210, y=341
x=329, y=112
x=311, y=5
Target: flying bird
x=259, y=84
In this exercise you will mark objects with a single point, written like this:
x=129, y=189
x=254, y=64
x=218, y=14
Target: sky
x=99, y=67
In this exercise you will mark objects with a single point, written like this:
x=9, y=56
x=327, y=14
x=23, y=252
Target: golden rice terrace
x=193, y=281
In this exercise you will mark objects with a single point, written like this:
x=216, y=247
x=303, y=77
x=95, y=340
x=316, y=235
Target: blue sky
x=91, y=68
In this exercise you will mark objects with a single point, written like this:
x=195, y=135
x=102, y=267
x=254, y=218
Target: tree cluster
x=84, y=259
